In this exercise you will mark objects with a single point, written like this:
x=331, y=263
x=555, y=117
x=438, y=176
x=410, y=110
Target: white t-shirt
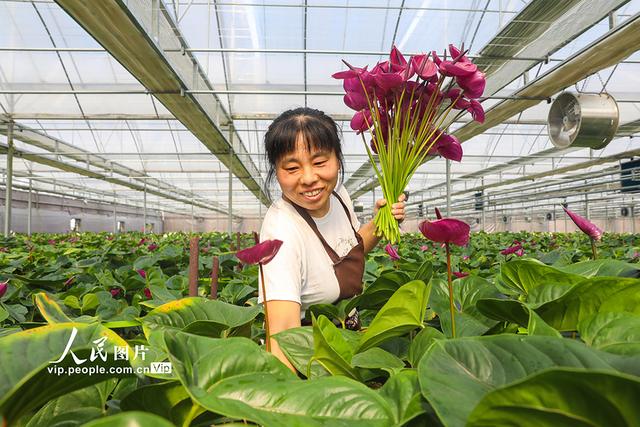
x=302, y=270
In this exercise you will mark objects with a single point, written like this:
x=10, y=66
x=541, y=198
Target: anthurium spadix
x=405, y=104
x=261, y=254
x=587, y=227
x=447, y=231
x=3, y=288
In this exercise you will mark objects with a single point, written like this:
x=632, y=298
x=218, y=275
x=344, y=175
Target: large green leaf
x=169, y=400
x=75, y=408
x=49, y=309
x=297, y=345
x=377, y=358
x=466, y=292
x=455, y=374
x=563, y=397
x=595, y=295
x=271, y=400
x=331, y=349
x=424, y=272
x=613, y=332
x=181, y=313
x=402, y=391
x=378, y=293
x=421, y=343
x=200, y=362
x=402, y=313
x=523, y=275
x=516, y=312
x=25, y=381
x=130, y=419
x=603, y=267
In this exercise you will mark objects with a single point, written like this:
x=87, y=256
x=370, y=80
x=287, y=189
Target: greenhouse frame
x=172, y=254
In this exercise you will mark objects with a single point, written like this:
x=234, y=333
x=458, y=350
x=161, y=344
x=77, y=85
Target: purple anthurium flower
x=473, y=84
x=361, y=121
x=350, y=73
x=460, y=274
x=262, y=253
x=511, y=250
x=115, y=292
x=424, y=248
x=476, y=110
x=448, y=146
x=142, y=273
x=70, y=280
x=586, y=226
x=393, y=253
x=51, y=242
x=141, y=242
x=3, y=287
x=356, y=101
x=424, y=67
x=520, y=252
x=147, y=293
x=465, y=257
x=152, y=247
x=3, y=249
x=447, y=231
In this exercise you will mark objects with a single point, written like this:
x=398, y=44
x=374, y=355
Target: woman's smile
x=307, y=178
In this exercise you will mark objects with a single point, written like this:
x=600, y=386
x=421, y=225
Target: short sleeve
x=342, y=192
x=283, y=274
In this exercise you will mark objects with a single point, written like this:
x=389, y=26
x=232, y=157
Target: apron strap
x=305, y=215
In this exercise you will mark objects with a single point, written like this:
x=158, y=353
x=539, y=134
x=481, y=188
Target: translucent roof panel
x=261, y=58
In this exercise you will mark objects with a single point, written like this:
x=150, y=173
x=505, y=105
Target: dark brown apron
x=350, y=268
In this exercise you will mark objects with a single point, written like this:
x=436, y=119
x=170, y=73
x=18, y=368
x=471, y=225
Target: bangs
x=315, y=134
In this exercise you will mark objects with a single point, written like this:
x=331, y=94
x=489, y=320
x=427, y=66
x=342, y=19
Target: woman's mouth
x=312, y=195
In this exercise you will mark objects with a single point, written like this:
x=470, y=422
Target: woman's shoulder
x=281, y=220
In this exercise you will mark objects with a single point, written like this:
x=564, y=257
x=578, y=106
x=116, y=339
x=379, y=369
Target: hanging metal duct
x=583, y=120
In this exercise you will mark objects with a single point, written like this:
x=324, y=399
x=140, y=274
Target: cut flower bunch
x=404, y=104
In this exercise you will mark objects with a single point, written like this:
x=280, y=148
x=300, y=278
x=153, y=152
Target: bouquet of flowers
x=405, y=115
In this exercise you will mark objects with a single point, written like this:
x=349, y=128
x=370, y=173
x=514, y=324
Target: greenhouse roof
x=113, y=100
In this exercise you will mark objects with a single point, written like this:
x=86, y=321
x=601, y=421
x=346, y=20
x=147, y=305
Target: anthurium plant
x=405, y=104
x=567, y=324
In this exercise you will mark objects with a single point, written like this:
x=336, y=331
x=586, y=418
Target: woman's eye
x=321, y=163
x=291, y=169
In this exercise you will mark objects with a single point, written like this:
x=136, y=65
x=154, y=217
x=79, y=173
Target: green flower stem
x=593, y=249
x=267, y=331
x=450, y=283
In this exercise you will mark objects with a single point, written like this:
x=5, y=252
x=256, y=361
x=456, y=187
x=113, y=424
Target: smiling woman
x=322, y=256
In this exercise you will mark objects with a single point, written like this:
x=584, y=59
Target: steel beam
x=609, y=49
x=137, y=34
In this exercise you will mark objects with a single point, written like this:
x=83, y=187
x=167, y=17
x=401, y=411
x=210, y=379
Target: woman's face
x=308, y=178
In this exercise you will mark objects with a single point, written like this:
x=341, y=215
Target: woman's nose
x=309, y=175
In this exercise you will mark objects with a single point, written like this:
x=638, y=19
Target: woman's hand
x=397, y=209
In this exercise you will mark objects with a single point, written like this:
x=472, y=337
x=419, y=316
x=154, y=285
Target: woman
x=322, y=256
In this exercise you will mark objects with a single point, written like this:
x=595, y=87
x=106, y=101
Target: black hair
x=318, y=130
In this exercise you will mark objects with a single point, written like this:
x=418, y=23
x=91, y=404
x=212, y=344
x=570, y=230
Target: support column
x=448, y=163
x=9, y=181
x=144, y=209
x=484, y=205
x=115, y=215
x=586, y=206
x=192, y=217
x=230, y=225
x=29, y=208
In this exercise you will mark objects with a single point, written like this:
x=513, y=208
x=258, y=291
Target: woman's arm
x=283, y=315
x=367, y=231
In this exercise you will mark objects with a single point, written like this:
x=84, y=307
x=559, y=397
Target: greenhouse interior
x=156, y=189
